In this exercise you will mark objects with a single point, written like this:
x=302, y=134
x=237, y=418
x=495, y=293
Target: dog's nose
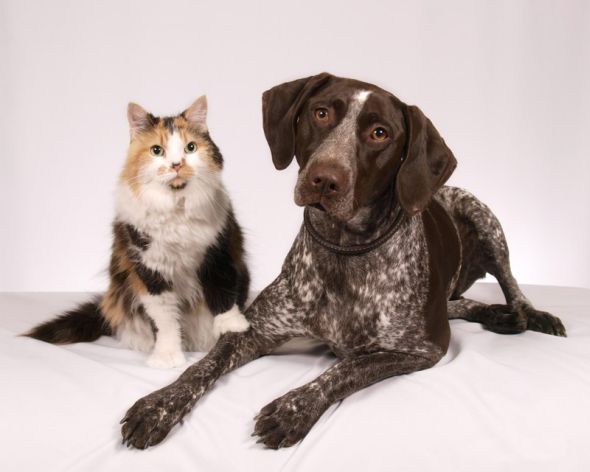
x=328, y=181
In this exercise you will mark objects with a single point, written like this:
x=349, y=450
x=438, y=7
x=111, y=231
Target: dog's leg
x=537, y=320
x=499, y=267
x=273, y=320
x=288, y=419
x=498, y=318
x=493, y=257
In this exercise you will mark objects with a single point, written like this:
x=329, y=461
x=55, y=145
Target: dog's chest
x=364, y=303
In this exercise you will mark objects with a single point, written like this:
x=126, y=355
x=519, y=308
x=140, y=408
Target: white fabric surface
x=509, y=403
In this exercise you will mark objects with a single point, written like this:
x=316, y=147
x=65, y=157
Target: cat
x=178, y=277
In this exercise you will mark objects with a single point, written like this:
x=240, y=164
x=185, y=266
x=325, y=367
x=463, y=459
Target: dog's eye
x=157, y=151
x=379, y=134
x=190, y=147
x=321, y=114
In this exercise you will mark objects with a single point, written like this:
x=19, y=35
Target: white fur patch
x=166, y=359
x=134, y=333
x=230, y=321
x=362, y=96
x=175, y=149
x=198, y=330
x=162, y=309
x=181, y=225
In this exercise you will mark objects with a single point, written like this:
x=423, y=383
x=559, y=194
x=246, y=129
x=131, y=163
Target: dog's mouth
x=317, y=206
x=327, y=207
x=338, y=208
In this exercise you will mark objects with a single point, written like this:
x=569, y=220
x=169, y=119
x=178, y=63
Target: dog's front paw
x=166, y=359
x=502, y=319
x=288, y=419
x=152, y=417
x=544, y=322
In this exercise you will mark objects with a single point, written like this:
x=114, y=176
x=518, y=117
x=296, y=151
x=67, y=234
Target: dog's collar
x=356, y=249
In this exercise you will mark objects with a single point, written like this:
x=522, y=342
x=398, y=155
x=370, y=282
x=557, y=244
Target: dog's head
x=353, y=141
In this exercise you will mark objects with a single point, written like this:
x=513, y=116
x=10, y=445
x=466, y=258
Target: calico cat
x=178, y=278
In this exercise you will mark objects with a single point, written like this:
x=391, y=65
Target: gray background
x=505, y=83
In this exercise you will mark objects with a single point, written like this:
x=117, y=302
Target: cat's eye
x=379, y=134
x=321, y=114
x=190, y=147
x=157, y=151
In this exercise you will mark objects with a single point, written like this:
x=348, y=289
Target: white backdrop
x=506, y=83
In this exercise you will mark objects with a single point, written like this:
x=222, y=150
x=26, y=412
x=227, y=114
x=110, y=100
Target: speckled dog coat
x=377, y=269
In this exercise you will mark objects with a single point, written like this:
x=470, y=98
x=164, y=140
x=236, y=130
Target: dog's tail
x=85, y=323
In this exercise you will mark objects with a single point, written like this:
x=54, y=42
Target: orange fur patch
x=112, y=309
x=125, y=284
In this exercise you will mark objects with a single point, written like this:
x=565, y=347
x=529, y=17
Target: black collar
x=357, y=249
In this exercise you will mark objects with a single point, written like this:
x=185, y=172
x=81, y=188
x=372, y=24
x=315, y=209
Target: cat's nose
x=176, y=165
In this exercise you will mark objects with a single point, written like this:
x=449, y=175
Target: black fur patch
x=153, y=280
x=169, y=123
x=178, y=187
x=137, y=238
x=82, y=324
x=129, y=235
x=153, y=120
x=223, y=273
x=215, y=152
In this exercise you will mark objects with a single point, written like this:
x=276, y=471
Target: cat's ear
x=196, y=114
x=139, y=119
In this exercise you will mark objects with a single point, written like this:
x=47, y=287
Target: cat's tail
x=84, y=323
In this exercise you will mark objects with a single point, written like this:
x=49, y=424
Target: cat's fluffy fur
x=177, y=274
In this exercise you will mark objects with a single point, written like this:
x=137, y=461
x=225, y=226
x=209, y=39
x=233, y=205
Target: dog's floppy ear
x=428, y=164
x=280, y=108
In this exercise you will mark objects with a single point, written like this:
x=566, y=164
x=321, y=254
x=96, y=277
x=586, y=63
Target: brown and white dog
x=379, y=265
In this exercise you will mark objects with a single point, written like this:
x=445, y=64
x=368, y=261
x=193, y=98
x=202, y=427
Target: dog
x=377, y=269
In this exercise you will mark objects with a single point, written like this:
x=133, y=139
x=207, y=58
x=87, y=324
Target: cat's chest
x=177, y=244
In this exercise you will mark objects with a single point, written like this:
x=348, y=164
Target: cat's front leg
x=163, y=310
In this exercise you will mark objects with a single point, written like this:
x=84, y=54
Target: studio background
x=505, y=82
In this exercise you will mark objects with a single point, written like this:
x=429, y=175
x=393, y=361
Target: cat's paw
x=230, y=321
x=166, y=359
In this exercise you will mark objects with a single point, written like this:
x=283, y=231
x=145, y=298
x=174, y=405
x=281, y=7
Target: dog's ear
x=281, y=106
x=428, y=164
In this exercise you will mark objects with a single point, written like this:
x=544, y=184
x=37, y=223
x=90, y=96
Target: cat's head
x=170, y=154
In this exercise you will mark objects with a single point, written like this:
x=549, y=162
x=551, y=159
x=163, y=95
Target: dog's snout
x=326, y=180
x=325, y=183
